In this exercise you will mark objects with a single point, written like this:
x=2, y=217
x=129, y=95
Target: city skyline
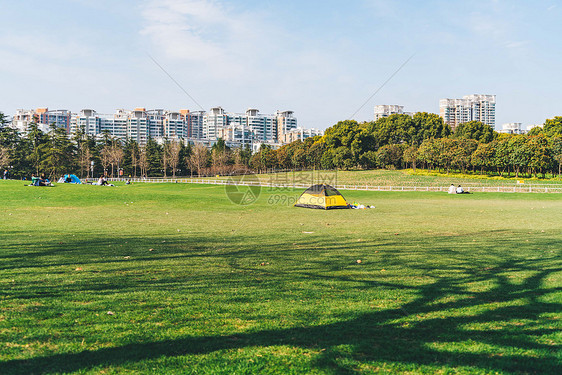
x=320, y=59
x=139, y=124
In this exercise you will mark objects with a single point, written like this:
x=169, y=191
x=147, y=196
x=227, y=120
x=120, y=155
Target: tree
x=482, y=156
x=475, y=130
x=3, y=120
x=185, y=152
x=519, y=155
x=165, y=159
x=19, y=149
x=199, y=158
x=264, y=159
x=154, y=157
x=389, y=156
x=143, y=161
x=556, y=148
x=84, y=160
x=4, y=157
x=130, y=161
x=553, y=127
x=284, y=159
x=362, y=142
x=59, y=153
x=342, y=158
x=393, y=129
x=428, y=153
x=242, y=156
x=299, y=158
x=83, y=152
x=315, y=152
x=428, y=125
x=447, y=147
x=462, y=153
x=341, y=134
x=410, y=156
x=172, y=151
x=115, y=156
x=540, y=158
x=220, y=155
x=105, y=158
x=501, y=155
x=38, y=145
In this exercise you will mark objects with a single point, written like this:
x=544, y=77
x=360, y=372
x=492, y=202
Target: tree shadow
x=428, y=330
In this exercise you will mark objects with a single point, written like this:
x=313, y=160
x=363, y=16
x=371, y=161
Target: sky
x=320, y=58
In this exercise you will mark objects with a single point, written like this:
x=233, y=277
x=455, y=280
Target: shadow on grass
x=429, y=330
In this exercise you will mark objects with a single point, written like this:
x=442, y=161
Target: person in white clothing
x=452, y=189
x=460, y=190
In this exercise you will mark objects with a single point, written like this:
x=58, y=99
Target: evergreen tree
x=153, y=157
x=38, y=144
x=59, y=156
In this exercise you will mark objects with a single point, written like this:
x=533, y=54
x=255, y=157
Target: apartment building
x=470, y=108
x=512, y=128
x=385, y=110
x=299, y=134
x=43, y=117
x=141, y=124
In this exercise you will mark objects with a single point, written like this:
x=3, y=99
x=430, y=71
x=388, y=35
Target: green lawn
x=407, y=177
x=196, y=284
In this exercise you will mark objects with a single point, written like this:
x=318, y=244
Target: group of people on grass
x=40, y=180
x=457, y=190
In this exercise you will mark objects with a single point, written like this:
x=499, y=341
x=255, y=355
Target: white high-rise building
x=87, y=121
x=385, y=110
x=213, y=121
x=286, y=122
x=263, y=127
x=141, y=124
x=512, y=128
x=470, y=108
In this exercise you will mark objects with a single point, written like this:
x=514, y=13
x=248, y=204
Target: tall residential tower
x=470, y=108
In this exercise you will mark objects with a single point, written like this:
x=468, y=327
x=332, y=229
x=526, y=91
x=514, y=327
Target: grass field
x=175, y=279
x=407, y=177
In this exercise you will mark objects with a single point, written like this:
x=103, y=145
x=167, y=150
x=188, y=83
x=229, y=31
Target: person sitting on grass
x=460, y=190
x=452, y=189
x=102, y=181
x=34, y=180
x=43, y=180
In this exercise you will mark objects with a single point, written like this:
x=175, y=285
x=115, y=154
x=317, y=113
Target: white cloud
x=237, y=57
x=226, y=42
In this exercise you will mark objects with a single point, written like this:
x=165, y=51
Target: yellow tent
x=322, y=196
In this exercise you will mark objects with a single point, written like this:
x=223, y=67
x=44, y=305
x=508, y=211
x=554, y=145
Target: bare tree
x=105, y=157
x=143, y=161
x=198, y=158
x=84, y=159
x=116, y=156
x=172, y=154
x=4, y=156
x=165, y=160
x=134, y=160
x=219, y=160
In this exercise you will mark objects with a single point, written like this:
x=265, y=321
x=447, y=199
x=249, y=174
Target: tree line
x=398, y=141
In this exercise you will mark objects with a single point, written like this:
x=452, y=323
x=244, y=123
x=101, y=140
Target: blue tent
x=73, y=179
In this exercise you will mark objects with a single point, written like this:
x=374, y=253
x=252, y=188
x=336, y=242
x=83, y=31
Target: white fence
x=542, y=188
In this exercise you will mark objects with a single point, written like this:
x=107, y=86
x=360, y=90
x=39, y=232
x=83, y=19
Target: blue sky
x=322, y=59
